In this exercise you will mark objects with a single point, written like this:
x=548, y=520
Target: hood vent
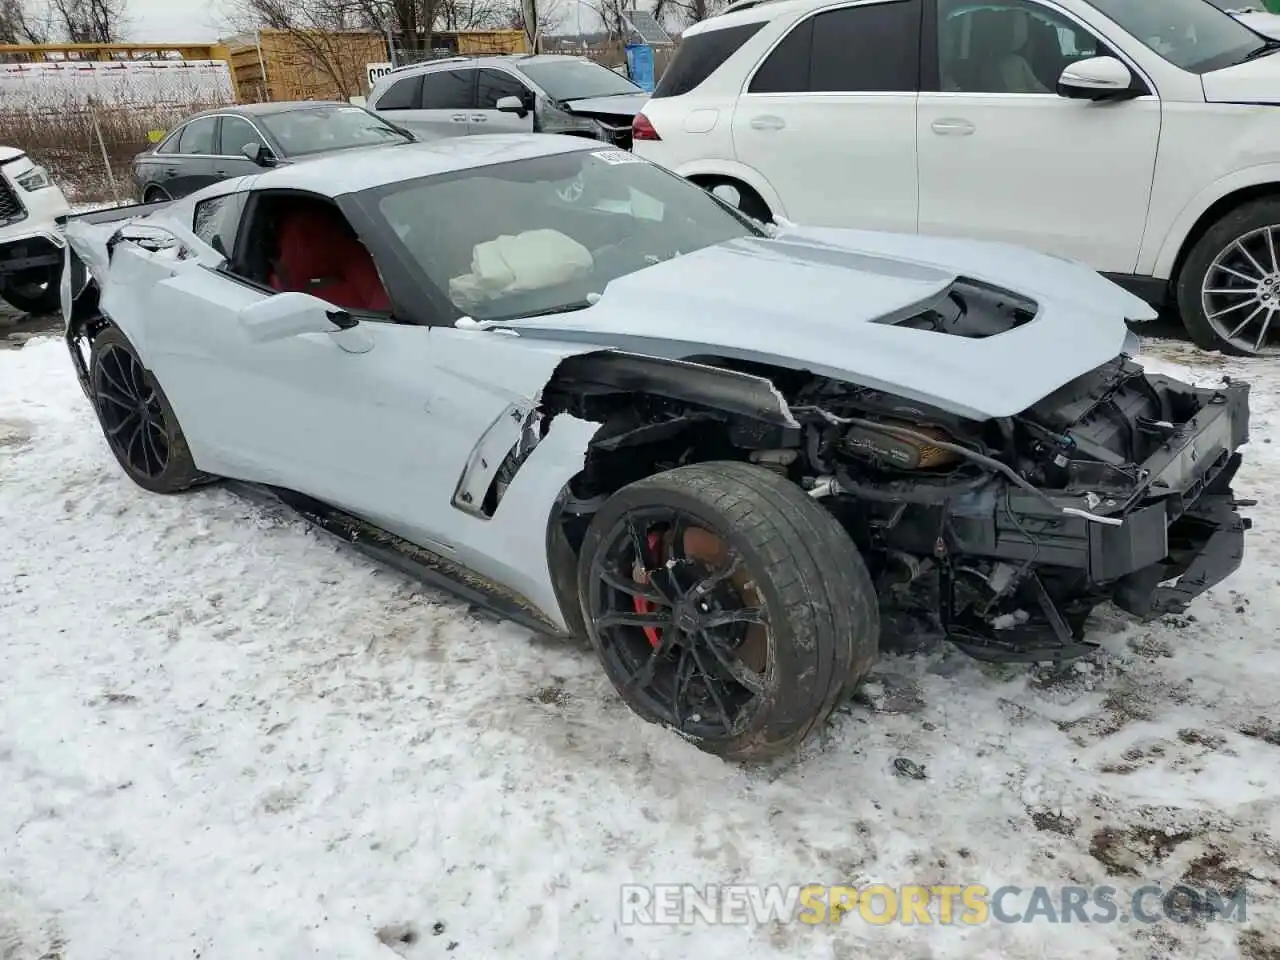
x=971, y=309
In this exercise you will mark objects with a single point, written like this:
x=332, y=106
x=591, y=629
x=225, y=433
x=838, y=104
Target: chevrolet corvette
x=583, y=393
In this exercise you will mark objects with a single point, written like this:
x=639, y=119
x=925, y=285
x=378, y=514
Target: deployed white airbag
x=533, y=260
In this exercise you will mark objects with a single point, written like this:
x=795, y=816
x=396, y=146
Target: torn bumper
x=1194, y=522
x=1173, y=517
x=1205, y=546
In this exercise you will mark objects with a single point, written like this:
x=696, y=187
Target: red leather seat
x=318, y=254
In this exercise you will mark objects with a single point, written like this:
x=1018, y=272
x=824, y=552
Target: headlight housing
x=37, y=178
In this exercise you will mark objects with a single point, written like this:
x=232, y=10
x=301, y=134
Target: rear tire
x=155, y=195
x=1229, y=297
x=137, y=420
x=788, y=624
x=34, y=291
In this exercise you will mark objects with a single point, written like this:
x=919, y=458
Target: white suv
x=1139, y=137
x=509, y=94
x=31, y=244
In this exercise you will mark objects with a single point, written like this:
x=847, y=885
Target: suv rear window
x=448, y=90
x=700, y=56
x=871, y=48
x=403, y=95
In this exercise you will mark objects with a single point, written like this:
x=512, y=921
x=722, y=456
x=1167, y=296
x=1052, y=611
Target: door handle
x=767, y=123
x=459, y=118
x=953, y=127
x=479, y=118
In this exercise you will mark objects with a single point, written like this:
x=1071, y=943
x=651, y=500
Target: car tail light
x=642, y=129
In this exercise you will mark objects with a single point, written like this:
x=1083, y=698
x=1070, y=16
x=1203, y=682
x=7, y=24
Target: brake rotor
x=713, y=552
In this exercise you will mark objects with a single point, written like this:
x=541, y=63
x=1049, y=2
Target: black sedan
x=239, y=140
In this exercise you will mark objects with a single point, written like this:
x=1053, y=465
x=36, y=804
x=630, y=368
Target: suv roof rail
x=744, y=5
x=427, y=63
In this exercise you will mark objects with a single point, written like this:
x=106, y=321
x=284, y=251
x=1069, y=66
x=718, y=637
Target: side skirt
x=1151, y=289
x=400, y=554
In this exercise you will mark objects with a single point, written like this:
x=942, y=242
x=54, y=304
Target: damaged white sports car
x=585, y=394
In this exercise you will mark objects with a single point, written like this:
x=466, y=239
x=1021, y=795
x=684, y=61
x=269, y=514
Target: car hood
x=1267, y=24
x=9, y=153
x=622, y=104
x=1256, y=81
x=824, y=300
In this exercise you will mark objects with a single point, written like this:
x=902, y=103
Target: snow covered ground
x=222, y=735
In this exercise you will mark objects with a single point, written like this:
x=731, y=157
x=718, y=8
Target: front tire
x=34, y=291
x=1228, y=290
x=139, y=424
x=727, y=604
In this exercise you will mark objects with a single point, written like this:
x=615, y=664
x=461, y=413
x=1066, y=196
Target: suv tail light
x=642, y=129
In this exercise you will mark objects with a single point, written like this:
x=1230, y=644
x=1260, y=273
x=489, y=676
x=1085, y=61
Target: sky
x=168, y=21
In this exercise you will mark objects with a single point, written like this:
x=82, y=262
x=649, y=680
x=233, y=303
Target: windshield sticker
x=616, y=156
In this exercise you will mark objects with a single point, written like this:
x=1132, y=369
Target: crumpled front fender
x=85, y=260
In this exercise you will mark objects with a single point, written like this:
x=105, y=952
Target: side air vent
x=972, y=309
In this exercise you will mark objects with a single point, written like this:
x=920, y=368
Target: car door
x=399, y=102
x=1003, y=157
x=234, y=134
x=828, y=117
x=491, y=86
x=311, y=412
x=445, y=101
x=196, y=158
x=449, y=101
x=153, y=169
x=382, y=420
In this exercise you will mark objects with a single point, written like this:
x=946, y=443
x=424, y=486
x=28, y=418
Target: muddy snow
x=224, y=735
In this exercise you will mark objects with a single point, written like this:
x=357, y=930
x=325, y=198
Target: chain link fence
x=86, y=122
x=611, y=54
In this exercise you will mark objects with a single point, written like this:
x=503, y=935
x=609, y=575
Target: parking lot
x=223, y=735
x=811, y=481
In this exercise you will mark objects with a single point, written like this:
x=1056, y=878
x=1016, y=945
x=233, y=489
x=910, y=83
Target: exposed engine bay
x=1003, y=534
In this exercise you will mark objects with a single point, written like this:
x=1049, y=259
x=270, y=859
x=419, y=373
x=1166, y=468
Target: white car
x=31, y=246
x=604, y=403
x=1140, y=138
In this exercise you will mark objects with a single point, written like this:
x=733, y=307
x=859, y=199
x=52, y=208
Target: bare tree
x=550, y=14
x=315, y=27
x=687, y=12
x=613, y=14
x=23, y=22
x=409, y=21
x=89, y=21
x=473, y=14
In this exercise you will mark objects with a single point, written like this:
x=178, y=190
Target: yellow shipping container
x=275, y=65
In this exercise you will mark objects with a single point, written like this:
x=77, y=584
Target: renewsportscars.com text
x=961, y=904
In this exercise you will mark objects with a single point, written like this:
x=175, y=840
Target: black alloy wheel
x=137, y=420
x=727, y=605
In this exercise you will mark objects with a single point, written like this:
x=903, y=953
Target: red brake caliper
x=645, y=606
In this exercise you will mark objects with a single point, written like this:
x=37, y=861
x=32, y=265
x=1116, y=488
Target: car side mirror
x=1098, y=78
x=291, y=315
x=259, y=154
x=514, y=105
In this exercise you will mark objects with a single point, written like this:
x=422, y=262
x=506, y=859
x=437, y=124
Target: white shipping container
x=53, y=86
